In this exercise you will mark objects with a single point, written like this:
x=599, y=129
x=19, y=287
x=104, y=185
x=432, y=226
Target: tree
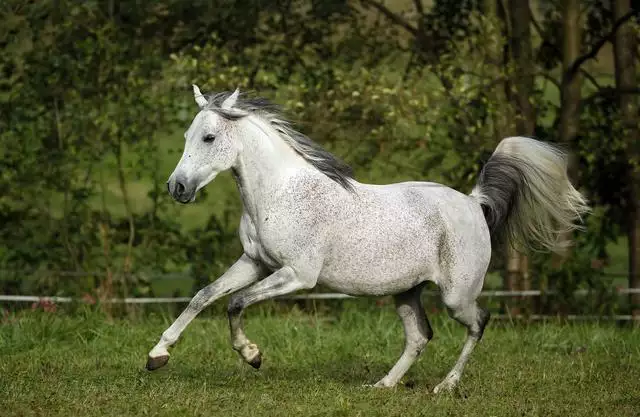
x=521, y=57
x=625, y=71
x=571, y=84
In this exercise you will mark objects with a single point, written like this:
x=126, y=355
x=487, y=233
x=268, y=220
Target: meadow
x=315, y=364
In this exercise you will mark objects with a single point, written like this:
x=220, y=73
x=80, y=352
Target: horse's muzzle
x=181, y=189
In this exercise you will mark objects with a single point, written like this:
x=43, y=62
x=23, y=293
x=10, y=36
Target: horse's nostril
x=180, y=188
x=168, y=187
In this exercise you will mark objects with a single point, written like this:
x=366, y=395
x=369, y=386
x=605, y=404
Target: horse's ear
x=202, y=102
x=230, y=101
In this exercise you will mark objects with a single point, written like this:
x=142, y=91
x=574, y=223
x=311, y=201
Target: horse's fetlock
x=237, y=346
x=168, y=339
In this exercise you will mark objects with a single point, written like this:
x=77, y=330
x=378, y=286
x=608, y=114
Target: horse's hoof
x=383, y=384
x=445, y=386
x=157, y=362
x=256, y=361
x=377, y=385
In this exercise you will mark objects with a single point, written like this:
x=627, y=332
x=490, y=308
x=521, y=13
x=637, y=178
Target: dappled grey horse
x=306, y=221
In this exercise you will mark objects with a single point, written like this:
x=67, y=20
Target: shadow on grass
x=349, y=370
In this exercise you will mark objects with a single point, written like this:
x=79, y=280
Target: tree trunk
x=571, y=80
x=624, y=48
x=498, y=19
x=570, y=91
x=521, y=55
x=127, y=206
x=498, y=56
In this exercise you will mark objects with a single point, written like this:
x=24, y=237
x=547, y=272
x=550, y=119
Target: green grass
x=314, y=364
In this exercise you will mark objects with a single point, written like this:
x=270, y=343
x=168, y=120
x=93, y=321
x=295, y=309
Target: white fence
x=305, y=296
x=338, y=296
x=308, y=296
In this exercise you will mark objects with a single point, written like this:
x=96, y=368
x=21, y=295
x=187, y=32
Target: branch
x=536, y=25
x=548, y=78
x=591, y=78
x=507, y=17
x=598, y=45
x=419, y=8
x=409, y=65
x=538, y=29
x=391, y=16
x=610, y=91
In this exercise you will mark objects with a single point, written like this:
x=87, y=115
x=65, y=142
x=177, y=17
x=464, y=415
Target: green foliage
x=83, y=103
x=583, y=270
x=91, y=93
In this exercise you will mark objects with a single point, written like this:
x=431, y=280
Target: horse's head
x=210, y=147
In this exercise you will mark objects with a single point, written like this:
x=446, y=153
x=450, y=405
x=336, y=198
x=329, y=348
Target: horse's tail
x=526, y=195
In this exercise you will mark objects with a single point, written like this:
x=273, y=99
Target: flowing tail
x=526, y=196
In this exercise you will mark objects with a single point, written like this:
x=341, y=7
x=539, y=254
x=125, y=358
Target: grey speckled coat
x=307, y=221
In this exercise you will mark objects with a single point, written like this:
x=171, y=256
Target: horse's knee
x=198, y=302
x=203, y=298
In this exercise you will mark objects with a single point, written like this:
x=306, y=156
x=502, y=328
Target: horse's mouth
x=186, y=199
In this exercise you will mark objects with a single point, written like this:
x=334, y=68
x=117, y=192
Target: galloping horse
x=306, y=221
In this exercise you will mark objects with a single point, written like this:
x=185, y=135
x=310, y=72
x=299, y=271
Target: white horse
x=306, y=221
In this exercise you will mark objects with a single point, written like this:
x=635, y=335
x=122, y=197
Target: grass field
x=86, y=365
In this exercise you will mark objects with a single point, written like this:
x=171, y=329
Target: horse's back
x=456, y=214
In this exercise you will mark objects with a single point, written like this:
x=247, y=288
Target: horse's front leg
x=284, y=281
x=242, y=273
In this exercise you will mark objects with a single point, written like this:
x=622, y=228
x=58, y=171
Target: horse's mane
x=271, y=113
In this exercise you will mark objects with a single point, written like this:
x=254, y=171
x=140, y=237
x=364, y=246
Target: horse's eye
x=209, y=138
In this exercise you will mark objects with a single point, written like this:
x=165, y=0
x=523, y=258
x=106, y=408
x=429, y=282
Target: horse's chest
x=253, y=245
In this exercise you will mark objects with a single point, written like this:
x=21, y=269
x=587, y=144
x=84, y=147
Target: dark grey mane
x=324, y=161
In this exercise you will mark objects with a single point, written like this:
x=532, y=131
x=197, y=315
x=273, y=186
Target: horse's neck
x=264, y=163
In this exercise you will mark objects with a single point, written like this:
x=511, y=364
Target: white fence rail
x=338, y=296
x=307, y=296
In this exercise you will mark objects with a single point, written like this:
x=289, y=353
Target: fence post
x=513, y=279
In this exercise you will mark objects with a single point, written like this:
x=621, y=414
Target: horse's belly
x=371, y=285
x=383, y=258
x=379, y=274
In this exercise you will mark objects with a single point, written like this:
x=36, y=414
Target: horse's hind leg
x=417, y=333
x=474, y=318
